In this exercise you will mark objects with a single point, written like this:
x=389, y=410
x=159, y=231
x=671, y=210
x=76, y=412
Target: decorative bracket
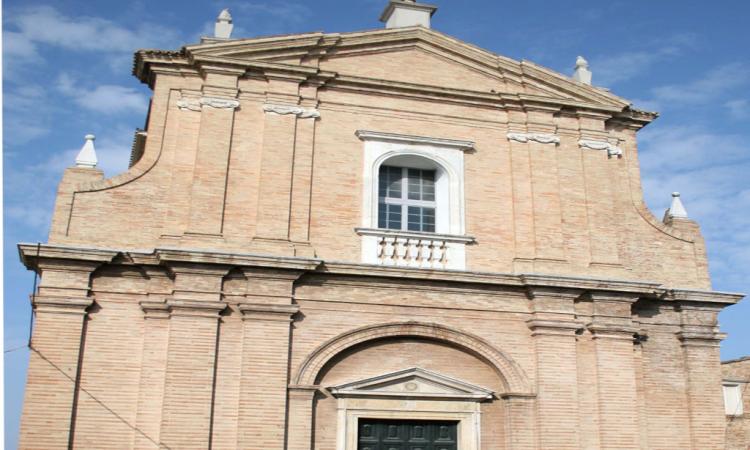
x=612, y=150
x=302, y=113
x=542, y=138
x=196, y=104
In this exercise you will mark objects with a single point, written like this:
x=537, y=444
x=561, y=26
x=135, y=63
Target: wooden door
x=378, y=434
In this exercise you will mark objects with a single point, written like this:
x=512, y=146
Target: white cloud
x=106, y=98
x=716, y=82
x=28, y=30
x=46, y=25
x=613, y=69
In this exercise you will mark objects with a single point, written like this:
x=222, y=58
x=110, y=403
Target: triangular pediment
x=431, y=58
x=412, y=383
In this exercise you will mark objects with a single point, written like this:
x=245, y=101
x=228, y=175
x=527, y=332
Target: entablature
x=614, y=290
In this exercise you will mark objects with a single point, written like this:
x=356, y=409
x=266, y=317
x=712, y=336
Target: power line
x=161, y=445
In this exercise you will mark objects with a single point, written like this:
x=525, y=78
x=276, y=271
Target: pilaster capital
x=61, y=305
x=196, y=308
x=273, y=313
x=303, y=391
x=567, y=328
x=695, y=338
x=155, y=309
x=616, y=331
x=535, y=292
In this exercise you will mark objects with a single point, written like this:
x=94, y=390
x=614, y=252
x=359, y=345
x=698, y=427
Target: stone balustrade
x=413, y=249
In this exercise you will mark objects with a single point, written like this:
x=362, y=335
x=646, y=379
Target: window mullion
x=404, y=198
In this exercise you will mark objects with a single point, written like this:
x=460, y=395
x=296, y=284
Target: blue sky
x=67, y=73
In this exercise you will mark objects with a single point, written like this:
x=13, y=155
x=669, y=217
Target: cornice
x=599, y=288
x=258, y=54
x=367, y=135
x=31, y=254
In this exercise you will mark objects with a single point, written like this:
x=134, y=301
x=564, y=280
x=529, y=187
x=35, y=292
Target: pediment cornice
x=413, y=383
x=271, y=56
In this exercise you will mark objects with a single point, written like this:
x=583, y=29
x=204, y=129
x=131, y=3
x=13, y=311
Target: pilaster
x=553, y=327
x=195, y=307
x=523, y=215
x=153, y=371
x=266, y=314
x=700, y=339
x=520, y=422
x=276, y=194
x=300, y=425
x=217, y=108
x=613, y=333
x=60, y=309
x=600, y=191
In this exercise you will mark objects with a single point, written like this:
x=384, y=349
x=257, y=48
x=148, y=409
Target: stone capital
x=567, y=328
x=616, y=331
x=155, y=309
x=273, y=313
x=196, y=308
x=61, y=305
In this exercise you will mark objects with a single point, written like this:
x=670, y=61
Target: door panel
x=378, y=434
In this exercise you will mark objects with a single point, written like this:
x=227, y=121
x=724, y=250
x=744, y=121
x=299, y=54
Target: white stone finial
x=677, y=209
x=582, y=73
x=87, y=156
x=223, y=27
x=407, y=13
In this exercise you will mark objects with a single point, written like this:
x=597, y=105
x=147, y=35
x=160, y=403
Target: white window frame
x=445, y=156
x=733, y=399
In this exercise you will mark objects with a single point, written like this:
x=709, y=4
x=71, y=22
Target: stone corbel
x=302, y=113
x=612, y=150
x=197, y=104
x=542, y=138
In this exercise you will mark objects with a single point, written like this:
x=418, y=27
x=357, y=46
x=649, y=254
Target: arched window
x=406, y=198
x=412, y=204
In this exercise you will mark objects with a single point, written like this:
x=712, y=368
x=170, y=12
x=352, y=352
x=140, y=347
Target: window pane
x=428, y=185
x=394, y=217
x=394, y=182
x=382, y=215
x=428, y=219
x=421, y=184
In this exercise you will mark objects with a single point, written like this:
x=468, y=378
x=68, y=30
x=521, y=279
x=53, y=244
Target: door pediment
x=412, y=383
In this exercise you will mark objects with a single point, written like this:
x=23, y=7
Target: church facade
x=386, y=239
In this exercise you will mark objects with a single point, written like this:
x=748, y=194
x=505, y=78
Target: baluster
x=381, y=249
x=444, y=256
x=401, y=251
x=389, y=251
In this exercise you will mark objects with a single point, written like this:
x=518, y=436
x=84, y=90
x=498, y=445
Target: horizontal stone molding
x=155, y=309
x=196, y=308
x=367, y=135
x=542, y=138
x=276, y=313
x=302, y=113
x=61, y=305
x=613, y=331
x=599, y=286
x=554, y=327
x=612, y=150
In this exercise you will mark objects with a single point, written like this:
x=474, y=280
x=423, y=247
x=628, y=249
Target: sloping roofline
x=260, y=52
